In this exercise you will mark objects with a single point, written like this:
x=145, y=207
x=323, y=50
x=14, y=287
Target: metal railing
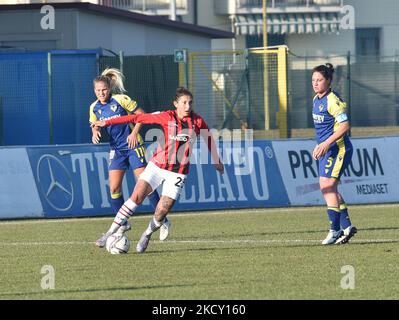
x=144, y=5
x=287, y=3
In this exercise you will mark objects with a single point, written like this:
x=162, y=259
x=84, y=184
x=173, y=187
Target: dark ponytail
x=327, y=70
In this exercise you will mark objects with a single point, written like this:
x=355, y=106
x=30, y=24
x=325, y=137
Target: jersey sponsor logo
x=112, y=117
x=180, y=137
x=318, y=118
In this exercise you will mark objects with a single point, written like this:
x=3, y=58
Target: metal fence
x=230, y=88
x=368, y=84
x=149, y=80
x=233, y=91
x=44, y=97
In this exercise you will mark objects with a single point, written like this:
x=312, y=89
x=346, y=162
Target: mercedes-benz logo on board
x=55, y=182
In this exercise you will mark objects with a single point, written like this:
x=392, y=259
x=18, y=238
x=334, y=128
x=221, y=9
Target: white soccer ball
x=117, y=244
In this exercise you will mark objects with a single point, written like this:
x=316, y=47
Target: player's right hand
x=219, y=167
x=96, y=137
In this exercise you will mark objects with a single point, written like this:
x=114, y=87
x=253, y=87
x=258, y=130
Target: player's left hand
x=132, y=140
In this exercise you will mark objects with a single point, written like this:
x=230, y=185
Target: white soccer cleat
x=143, y=242
x=101, y=241
x=164, y=230
x=347, y=234
x=124, y=228
x=332, y=237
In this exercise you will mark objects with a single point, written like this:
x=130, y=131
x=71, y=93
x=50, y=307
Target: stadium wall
x=72, y=180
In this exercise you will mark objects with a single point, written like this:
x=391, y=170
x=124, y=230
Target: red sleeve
x=120, y=120
x=145, y=118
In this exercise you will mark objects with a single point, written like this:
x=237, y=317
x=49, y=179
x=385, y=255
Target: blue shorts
x=335, y=161
x=125, y=159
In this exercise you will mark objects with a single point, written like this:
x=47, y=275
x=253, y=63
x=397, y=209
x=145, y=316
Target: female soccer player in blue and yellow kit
x=127, y=146
x=333, y=151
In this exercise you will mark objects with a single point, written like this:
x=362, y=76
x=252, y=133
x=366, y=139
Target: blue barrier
x=45, y=96
x=72, y=180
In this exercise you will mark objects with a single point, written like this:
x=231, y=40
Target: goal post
x=275, y=85
x=241, y=89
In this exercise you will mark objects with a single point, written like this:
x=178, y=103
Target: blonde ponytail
x=117, y=78
x=113, y=78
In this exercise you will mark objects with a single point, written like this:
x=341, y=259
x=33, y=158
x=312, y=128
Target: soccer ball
x=117, y=244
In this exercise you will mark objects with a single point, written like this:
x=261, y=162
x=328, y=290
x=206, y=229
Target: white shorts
x=172, y=182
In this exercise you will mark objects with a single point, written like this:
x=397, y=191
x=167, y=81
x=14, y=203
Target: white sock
x=124, y=213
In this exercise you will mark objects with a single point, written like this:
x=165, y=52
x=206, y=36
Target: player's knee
x=137, y=198
x=327, y=188
x=115, y=193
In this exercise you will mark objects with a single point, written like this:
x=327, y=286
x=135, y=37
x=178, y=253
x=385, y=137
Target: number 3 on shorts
x=180, y=182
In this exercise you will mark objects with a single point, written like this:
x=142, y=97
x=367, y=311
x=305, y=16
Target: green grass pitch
x=249, y=254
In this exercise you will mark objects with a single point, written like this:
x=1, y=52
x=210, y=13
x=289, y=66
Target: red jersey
x=179, y=137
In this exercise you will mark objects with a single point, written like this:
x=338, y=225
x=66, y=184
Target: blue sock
x=116, y=202
x=334, y=216
x=344, y=216
x=154, y=198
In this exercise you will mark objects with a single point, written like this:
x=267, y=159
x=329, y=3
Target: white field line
x=187, y=214
x=198, y=241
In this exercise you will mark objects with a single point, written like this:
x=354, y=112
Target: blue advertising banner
x=72, y=180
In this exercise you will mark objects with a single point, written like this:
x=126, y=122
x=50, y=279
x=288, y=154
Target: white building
x=78, y=25
x=308, y=27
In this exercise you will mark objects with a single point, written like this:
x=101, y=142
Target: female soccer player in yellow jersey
x=333, y=151
x=127, y=146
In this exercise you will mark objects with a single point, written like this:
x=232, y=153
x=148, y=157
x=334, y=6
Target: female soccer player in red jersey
x=127, y=146
x=169, y=164
x=333, y=151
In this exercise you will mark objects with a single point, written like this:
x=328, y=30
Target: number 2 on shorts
x=180, y=182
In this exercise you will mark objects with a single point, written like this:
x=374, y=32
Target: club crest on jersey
x=321, y=107
x=99, y=111
x=113, y=107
